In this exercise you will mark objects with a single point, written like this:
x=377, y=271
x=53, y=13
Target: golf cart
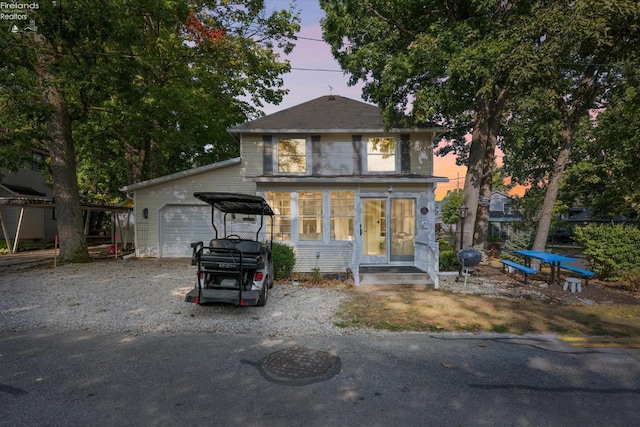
x=235, y=267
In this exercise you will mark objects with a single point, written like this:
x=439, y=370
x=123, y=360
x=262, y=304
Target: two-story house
x=503, y=216
x=348, y=194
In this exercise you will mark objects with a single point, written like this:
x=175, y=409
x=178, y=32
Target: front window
x=280, y=203
x=381, y=155
x=310, y=215
x=292, y=155
x=342, y=215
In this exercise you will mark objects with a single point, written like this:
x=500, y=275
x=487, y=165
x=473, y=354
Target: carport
x=24, y=203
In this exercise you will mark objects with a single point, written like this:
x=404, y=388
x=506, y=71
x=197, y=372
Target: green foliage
x=448, y=256
x=521, y=239
x=605, y=172
x=284, y=260
x=151, y=86
x=612, y=250
x=444, y=245
x=450, y=206
x=316, y=277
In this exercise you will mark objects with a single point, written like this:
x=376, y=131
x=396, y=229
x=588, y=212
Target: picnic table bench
x=523, y=268
x=586, y=274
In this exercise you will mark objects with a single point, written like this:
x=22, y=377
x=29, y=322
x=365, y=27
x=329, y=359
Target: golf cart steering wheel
x=233, y=237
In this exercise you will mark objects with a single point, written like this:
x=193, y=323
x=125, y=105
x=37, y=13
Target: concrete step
x=400, y=279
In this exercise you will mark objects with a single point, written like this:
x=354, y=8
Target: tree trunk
x=572, y=114
x=544, y=221
x=73, y=242
x=486, y=125
x=481, y=230
x=475, y=167
x=494, y=116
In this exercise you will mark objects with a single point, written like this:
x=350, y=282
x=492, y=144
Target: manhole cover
x=299, y=366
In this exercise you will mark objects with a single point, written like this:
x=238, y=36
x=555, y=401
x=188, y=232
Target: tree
x=604, y=173
x=138, y=88
x=451, y=62
x=576, y=48
x=451, y=206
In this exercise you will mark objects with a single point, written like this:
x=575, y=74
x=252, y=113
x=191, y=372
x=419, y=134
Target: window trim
x=331, y=216
x=365, y=155
x=276, y=158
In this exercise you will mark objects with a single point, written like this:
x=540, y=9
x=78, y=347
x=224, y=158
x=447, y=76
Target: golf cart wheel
x=264, y=294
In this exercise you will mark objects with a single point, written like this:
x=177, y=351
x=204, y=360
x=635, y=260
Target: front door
x=374, y=231
x=388, y=230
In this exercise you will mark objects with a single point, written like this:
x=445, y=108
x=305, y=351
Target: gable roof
x=182, y=174
x=326, y=114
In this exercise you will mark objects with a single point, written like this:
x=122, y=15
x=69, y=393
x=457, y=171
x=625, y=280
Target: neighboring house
x=28, y=183
x=503, y=216
x=347, y=193
x=27, y=207
x=563, y=229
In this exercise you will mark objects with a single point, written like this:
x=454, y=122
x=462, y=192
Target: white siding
x=334, y=258
x=252, y=152
x=179, y=192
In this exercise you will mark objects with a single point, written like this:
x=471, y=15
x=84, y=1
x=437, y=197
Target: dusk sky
x=316, y=73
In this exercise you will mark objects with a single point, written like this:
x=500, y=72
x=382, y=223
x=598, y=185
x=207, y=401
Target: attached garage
x=180, y=225
x=167, y=216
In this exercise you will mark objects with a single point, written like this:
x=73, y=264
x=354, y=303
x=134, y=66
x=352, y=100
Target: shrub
x=448, y=257
x=612, y=250
x=444, y=245
x=316, y=277
x=448, y=261
x=284, y=259
x=522, y=239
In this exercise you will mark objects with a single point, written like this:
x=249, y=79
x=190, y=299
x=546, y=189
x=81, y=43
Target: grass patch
x=432, y=310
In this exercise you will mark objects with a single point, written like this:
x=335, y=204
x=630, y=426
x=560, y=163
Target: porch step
x=393, y=279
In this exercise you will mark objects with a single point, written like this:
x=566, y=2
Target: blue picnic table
x=554, y=260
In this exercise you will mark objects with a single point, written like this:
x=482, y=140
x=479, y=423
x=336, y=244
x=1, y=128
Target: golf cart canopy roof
x=236, y=203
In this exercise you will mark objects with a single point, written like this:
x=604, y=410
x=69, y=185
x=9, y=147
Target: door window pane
x=403, y=229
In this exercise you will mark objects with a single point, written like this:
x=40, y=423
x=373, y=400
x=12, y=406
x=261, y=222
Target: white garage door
x=181, y=225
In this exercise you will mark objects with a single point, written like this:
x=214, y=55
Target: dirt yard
x=492, y=301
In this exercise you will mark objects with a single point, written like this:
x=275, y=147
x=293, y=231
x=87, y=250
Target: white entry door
x=374, y=231
x=388, y=230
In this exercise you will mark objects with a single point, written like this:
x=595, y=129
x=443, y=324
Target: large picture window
x=280, y=203
x=342, y=215
x=381, y=155
x=310, y=215
x=292, y=155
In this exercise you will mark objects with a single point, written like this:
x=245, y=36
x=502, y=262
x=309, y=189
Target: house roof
x=182, y=174
x=326, y=114
x=18, y=191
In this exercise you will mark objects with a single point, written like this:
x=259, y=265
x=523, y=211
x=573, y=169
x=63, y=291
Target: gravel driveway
x=147, y=295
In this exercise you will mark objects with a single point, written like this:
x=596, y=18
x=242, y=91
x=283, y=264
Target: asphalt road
x=411, y=379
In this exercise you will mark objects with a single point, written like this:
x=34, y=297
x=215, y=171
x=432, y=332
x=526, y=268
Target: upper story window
x=381, y=154
x=292, y=155
x=37, y=161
